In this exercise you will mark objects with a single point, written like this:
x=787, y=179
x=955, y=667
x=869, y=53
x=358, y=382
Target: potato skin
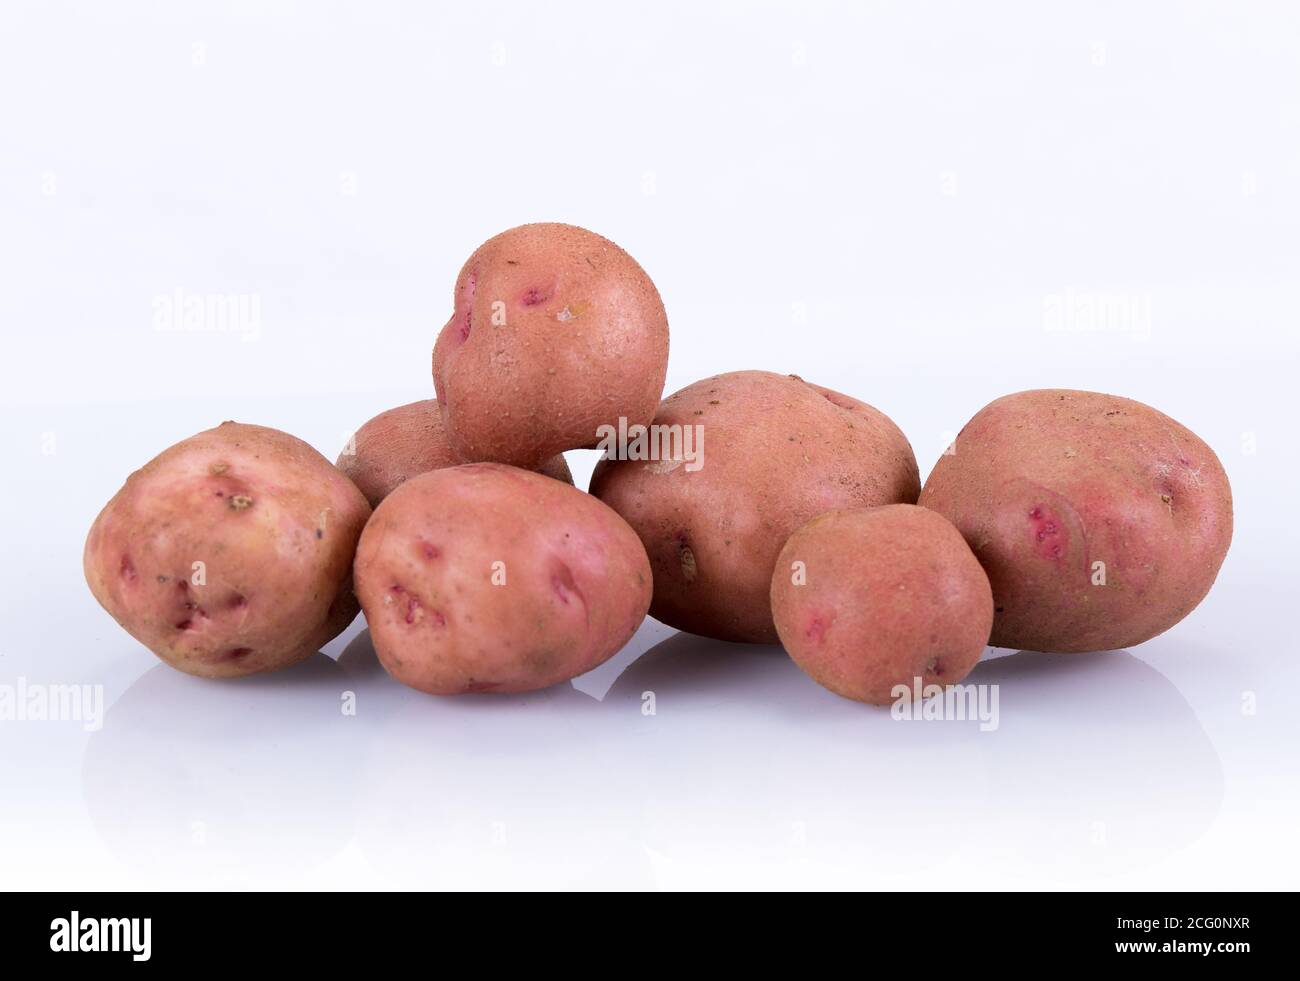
x=585, y=341
x=889, y=595
x=429, y=573
x=777, y=452
x=1046, y=483
x=402, y=442
x=275, y=526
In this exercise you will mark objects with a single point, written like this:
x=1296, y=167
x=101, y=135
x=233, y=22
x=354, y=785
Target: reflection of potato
x=777, y=451
x=230, y=553
x=1099, y=766
x=555, y=333
x=404, y=442
x=1100, y=521
x=881, y=597
x=225, y=780
x=486, y=577
x=747, y=769
x=518, y=791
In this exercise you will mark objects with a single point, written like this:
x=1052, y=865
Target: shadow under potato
x=359, y=659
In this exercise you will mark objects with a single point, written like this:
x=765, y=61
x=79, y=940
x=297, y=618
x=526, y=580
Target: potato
x=230, y=553
x=1100, y=521
x=777, y=451
x=869, y=598
x=556, y=332
x=400, y=443
x=484, y=577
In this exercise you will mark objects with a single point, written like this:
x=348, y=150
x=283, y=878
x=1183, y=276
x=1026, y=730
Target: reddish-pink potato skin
x=403, y=442
x=777, y=452
x=887, y=595
x=584, y=342
x=485, y=577
x=1055, y=489
x=275, y=527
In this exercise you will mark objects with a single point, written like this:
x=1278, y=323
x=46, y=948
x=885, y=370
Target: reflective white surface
x=745, y=767
x=885, y=200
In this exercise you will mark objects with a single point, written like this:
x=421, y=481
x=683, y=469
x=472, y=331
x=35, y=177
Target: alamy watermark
x=181, y=312
x=920, y=702
x=665, y=447
x=26, y=702
x=1114, y=313
x=105, y=934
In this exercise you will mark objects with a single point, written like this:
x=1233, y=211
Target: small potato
x=776, y=452
x=1100, y=521
x=230, y=553
x=484, y=577
x=556, y=332
x=401, y=443
x=870, y=598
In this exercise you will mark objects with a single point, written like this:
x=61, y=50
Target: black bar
x=331, y=931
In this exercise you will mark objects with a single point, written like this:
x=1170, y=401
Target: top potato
x=404, y=442
x=556, y=331
x=1100, y=521
x=777, y=451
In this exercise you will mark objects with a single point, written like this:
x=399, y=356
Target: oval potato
x=485, y=577
x=777, y=451
x=1101, y=522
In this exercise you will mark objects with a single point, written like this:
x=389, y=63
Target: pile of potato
x=1058, y=520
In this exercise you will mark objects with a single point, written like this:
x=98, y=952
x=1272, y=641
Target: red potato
x=230, y=553
x=1100, y=521
x=403, y=442
x=777, y=451
x=556, y=331
x=485, y=577
x=869, y=599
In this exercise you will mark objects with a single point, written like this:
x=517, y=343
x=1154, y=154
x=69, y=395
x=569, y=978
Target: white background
x=894, y=200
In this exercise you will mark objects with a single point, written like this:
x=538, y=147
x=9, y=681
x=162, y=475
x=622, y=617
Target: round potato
x=401, y=443
x=230, y=553
x=870, y=599
x=1100, y=521
x=555, y=332
x=772, y=452
x=484, y=577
